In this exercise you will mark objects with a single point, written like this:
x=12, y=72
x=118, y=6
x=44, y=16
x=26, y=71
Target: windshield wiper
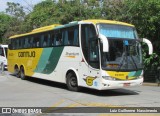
x=134, y=62
x=123, y=57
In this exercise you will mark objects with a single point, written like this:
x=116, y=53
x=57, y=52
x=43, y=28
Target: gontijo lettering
x=27, y=54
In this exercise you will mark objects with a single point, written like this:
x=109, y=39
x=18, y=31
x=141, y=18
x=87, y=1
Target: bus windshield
x=117, y=31
x=124, y=49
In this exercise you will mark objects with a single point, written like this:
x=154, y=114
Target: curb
x=150, y=84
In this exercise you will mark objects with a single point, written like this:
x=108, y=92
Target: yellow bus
x=98, y=54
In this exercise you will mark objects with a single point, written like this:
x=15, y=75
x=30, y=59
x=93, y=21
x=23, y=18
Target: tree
x=145, y=15
x=15, y=10
x=16, y=25
x=4, y=25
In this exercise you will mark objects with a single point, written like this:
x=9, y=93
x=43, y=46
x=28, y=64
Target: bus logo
x=89, y=80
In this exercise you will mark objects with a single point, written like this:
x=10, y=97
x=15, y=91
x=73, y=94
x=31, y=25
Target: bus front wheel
x=72, y=82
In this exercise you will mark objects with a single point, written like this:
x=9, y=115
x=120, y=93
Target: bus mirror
x=104, y=41
x=150, y=46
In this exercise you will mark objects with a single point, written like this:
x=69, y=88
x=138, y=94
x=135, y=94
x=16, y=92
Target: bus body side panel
x=28, y=58
x=48, y=64
x=56, y=66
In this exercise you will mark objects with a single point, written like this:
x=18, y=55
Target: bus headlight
x=108, y=78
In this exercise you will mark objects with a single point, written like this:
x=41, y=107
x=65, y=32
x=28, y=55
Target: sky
x=24, y=3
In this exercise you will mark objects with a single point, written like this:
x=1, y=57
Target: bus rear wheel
x=16, y=72
x=22, y=74
x=72, y=82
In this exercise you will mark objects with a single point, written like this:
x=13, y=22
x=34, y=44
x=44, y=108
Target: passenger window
x=21, y=43
x=52, y=39
x=66, y=37
x=31, y=42
x=44, y=40
x=13, y=43
x=76, y=37
x=58, y=38
x=17, y=44
x=26, y=43
x=71, y=36
x=36, y=42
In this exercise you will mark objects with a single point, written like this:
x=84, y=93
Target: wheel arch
x=73, y=71
x=16, y=66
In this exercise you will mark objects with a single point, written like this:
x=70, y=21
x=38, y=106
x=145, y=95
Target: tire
x=72, y=82
x=17, y=72
x=22, y=74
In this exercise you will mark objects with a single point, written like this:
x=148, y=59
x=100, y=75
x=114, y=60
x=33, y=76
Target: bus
x=96, y=54
x=3, y=57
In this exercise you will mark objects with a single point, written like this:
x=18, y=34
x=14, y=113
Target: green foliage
x=145, y=15
x=15, y=10
x=15, y=25
x=4, y=25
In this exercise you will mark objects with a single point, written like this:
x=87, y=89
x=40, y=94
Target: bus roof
x=38, y=30
x=108, y=22
x=58, y=26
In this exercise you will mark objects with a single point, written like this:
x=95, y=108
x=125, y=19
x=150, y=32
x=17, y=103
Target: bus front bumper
x=109, y=84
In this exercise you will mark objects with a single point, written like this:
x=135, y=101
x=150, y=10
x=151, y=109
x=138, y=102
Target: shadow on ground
x=102, y=93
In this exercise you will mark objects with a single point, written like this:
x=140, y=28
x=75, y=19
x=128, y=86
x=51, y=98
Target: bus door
x=90, y=49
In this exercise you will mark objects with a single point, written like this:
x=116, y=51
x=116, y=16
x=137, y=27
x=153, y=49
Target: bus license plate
x=126, y=84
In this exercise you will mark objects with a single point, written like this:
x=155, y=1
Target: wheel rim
x=73, y=82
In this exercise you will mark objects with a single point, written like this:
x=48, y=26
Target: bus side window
x=58, y=38
x=71, y=36
x=42, y=42
x=31, y=42
x=17, y=44
x=48, y=39
x=52, y=39
x=21, y=43
x=26, y=43
x=36, y=42
x=76, y=37
x=65, y=37
x=13, y=42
